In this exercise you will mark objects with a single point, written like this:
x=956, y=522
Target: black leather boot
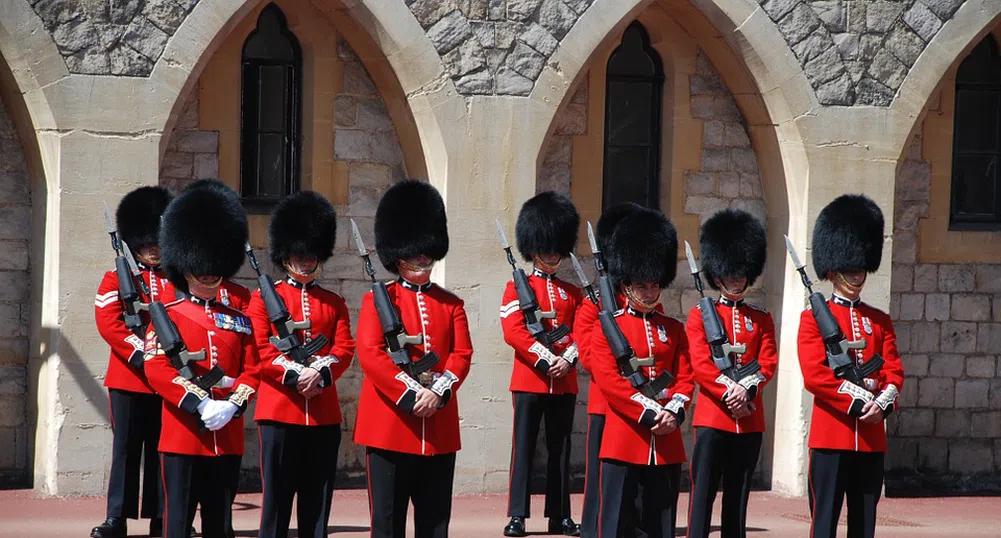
x=515, y=527
x=113, y=527
x=564, y=527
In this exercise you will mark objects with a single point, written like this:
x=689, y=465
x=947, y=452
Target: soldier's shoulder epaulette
x=175, y=302
x=618, y=313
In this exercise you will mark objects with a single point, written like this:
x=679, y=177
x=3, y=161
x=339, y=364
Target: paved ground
x=24, y=515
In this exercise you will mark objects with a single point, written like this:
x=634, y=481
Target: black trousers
x=297, y=460
x=135, y=423
x=728, y=457
x=396, y=479
x=835, y=474
x=192, y=480
x=638, y=501
x=592, y=477
x=529, y=411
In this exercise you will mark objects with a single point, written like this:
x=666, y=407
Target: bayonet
x=134, y=267
x=590, y=239
x=692, y=266
x=579, y=270
x=500, y=233
x=800, y=267
x=362, y=251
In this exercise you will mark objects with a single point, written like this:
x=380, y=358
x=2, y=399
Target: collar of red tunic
x=415, y=287
x=299, y=285
x=847, y=303
x=197, y=300
x=633, y=312
x=726, y=301
x=542, y=274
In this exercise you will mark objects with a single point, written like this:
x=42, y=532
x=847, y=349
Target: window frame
x=959, y=221
x=656, y=81
x=250, y=72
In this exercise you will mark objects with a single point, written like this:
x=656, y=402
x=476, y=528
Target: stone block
x=970, y=456
x=345, y=110
x=905, y=247
x=177, y=164
x=554, y=177
x=916, y=364
x=704, y=206
x=888, y=70
x=509, y=82
x=989, y=338
x=980, y=366
x=995, y=392
x=907, y=214
x=358, y=145
x=909, y=392
x=559, y=150
x=972, y=393
x=937, y=307
x=946, y=365
x=848, y=45
x=477, y=83
x=9, y=447
x=355, y=80
x=880, y=16
x=449, y=32
x=13, y=256
x=926, y=278
x=572, y=120
x=744, y=160
x=955, y=278
x=914, y=181
x=197, y=141
x=936, y=392
x=986, y=424
x=12, y=410
x=145, y=38
x=206, y=166
x=557, y=18
x=539, y=38
x=901, y=453
x=837, y=92
x=988, y=278
x=466, y=58
x=971, y=307
x=579, y=6
x=832, y=13
x=871, y=92
x=526, y=61
x=951, y=424
x=923, y=21
x=827, y=66
x=729, y=184
x=916, y=422
x=904, y=44
x=943, y=9
x=715, y=160
x=799, y=23
x=750, y=185
x=496, y=10
x=428, y=12
x=699, y=183
x=165, y=15
x=776, y=9
x=933, y=455
x=702, y=107
x=736, y=136
x=912, y=306
x=725, y=108
x=13, y=380
x=713, y=134
x=903, y=330
x=705, y=85
x=958, y=337
x=901, y=278
x=15, y=222
x=754, y=207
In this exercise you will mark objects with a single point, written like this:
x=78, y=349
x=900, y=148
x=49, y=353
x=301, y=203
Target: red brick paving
x=23, y=514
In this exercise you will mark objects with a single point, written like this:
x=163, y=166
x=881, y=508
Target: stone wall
x=947, y=435
x=367, y=153
x=15, y=230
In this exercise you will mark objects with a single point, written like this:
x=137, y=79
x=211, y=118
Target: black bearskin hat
x=410, y=221
x=609, y=219
x=848, y=236
x=643, y=248
x=547, y=224
x=203, y=233
x=302, y=224
x=732, y=243
x=138, y=216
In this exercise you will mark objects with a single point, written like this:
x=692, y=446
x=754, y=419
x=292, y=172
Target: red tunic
x=832, y=427
x=234, y=351
x=584, y=323
x=744, y=324
x=627, y=435
x=552, y=294
x=126, y=345
x=440, y=318
x=234, y=295
x=328, y=315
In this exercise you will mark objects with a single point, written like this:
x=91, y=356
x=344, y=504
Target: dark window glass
x=271, y=112
x=633, y=92
x=976, y=143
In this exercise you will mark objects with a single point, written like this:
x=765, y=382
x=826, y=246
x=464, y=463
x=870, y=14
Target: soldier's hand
x=742, y=411
x=666, y=423
x=426, y=404
x=871, y=413
x=736, y=396
x=309, y=381
x=311, y=393
x=559, y=369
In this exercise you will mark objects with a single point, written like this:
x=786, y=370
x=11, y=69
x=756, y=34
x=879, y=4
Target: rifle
x=125, y=270
x=529, y=305
x=286, y=342
x=835, y=343
x=625, y=357
x=605, y=288
x=392, y=328
x=173, y=347
x=716, y=337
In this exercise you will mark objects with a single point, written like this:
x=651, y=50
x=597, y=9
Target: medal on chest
x=748, y=324
x=662, y=334
x=563, y=293
x=866, y=325
x=232, y=323
x=224, y=296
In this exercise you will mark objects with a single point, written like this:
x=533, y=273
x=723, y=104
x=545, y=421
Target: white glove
x=226, y=382
x=543, y=354
x=218, y=414
x=202, y=405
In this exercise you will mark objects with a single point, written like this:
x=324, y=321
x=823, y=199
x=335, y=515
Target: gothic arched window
x=634, y=86
x=976, y=141
x=271, y=111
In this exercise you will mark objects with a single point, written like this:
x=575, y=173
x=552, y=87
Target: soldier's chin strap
x=407, y=266
x=548, y=268
x=638, y=303
x=299, y=275
x=848, y=285
x=732, y=295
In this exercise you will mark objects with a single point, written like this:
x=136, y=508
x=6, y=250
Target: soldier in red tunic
x=135, y=408
x=543, y=379
x=410, y=426
x=641, y=449
x=298, y=412
x=201, y=240
x=729, y=417
x=584, y=323
x=847, y=431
